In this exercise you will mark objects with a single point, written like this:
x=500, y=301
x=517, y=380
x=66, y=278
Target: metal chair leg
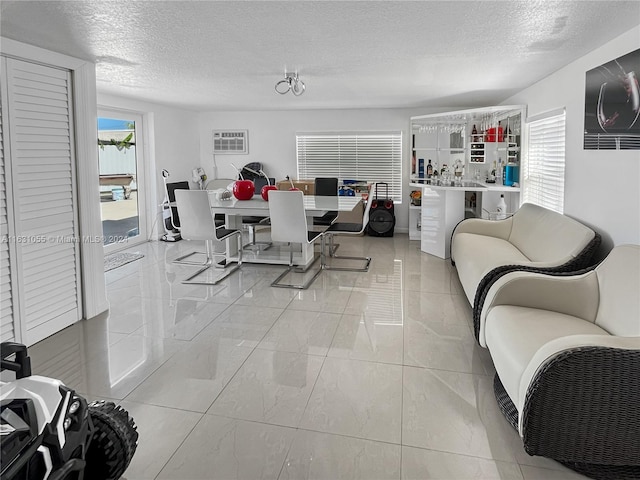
x=180, y=260
x=292, y=268
x=233, y=266
x=259, y=246
x=366, y=260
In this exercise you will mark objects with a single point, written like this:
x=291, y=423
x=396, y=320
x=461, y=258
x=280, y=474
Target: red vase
x=243, y=189
x=265, y=191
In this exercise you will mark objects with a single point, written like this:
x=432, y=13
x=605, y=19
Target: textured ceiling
x=211, y=55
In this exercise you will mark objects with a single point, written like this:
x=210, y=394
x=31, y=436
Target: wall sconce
x=290, y=82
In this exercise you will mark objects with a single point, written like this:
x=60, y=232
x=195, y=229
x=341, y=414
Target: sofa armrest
x=493, y=228
x=571, y=294
x=578, y=400
x=478, y=226
x=573, y=267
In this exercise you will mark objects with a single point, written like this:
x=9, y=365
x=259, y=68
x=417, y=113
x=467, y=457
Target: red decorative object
x=265, y=191
x=495, y=134
x=243, y=189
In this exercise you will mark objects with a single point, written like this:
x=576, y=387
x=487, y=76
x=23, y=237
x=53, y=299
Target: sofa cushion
x=514, y=334
x=546, y=236
x=477, y=255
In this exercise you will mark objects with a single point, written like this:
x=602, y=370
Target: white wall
x=272, y=139
x=602, y=187
x=172, y=142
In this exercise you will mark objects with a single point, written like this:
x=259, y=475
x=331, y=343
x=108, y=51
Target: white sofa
x=566, y=348
x=534, y=237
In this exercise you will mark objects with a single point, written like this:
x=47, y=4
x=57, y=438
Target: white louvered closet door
x=46, y=262
x=7, y=333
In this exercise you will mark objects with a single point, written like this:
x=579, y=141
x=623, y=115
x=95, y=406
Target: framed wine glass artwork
x=612, y=105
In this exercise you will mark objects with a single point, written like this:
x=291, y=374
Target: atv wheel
x=113, y=443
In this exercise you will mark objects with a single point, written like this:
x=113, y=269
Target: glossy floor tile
x=193, y=377
x=271, y=387
x=356, y=398
x=302, y=332
x=454, y=412
x=226, y=448
x=323, y=456
x=365, y=375
x=155, y=447
x=420, y=464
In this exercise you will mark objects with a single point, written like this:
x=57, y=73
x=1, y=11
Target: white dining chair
x=289, y=225
x=197, y=223
x=345, y=228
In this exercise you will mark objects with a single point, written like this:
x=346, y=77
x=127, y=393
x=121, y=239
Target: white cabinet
x=442, y=209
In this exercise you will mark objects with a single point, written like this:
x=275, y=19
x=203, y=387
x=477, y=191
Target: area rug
x=116, y=260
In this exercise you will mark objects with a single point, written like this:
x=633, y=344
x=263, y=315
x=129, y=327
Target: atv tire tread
x=113, y=444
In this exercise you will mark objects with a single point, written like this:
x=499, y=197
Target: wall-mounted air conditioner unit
x=230, y=141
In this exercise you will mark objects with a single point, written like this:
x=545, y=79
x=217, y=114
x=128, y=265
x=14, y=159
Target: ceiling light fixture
x=290, y=82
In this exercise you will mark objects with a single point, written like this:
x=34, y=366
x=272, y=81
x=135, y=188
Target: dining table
x=234, y=209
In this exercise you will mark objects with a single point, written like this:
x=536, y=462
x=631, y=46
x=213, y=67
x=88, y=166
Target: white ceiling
x=214, y=55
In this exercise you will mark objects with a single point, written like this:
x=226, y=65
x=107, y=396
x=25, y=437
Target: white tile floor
x=363, y=376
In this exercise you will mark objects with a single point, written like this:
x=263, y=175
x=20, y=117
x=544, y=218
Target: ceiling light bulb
x=298, y=87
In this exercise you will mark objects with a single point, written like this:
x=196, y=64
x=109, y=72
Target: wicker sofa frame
x=582, y=409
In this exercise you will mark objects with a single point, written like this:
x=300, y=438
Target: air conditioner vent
x=230, y=141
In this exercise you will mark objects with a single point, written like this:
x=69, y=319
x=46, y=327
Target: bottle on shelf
x=501, y=209
x=421, y=167
x=474, y=134
x=500, y=132
x=429, y=169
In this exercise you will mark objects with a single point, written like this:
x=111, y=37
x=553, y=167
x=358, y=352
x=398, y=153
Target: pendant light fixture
x=291, y=82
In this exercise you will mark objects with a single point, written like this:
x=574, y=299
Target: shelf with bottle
x=439, y=149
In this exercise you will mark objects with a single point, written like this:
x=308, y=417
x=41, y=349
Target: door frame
x=142, y=167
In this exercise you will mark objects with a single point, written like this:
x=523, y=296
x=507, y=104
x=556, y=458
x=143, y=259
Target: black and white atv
x=48, y=432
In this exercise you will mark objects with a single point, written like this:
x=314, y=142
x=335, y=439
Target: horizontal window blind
x=543, y=169
x=366, y=157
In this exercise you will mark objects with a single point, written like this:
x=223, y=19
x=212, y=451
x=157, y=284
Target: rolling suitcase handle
x=388, y=203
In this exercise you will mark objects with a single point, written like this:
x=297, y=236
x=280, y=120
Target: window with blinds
x=366, y=157
x=543, y=165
